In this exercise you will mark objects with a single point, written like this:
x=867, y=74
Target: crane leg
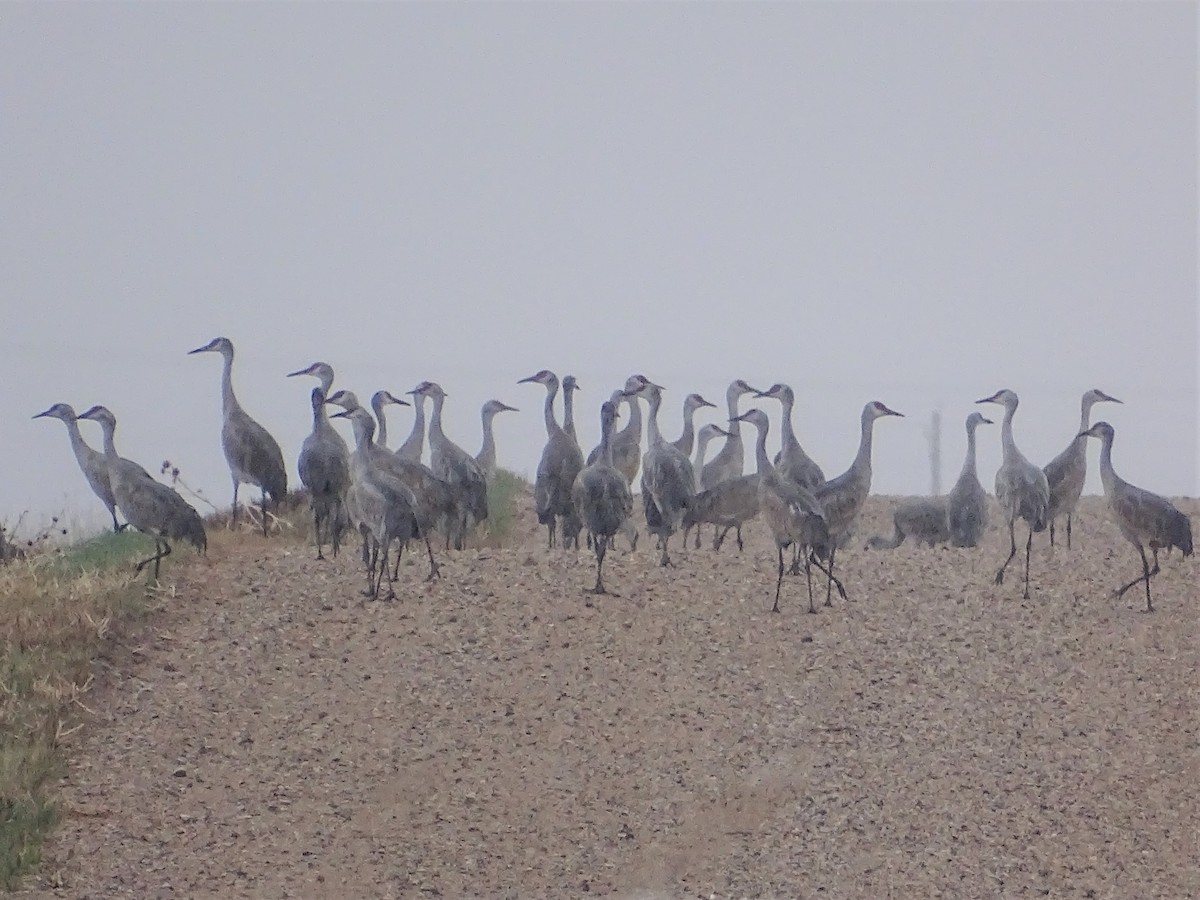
x=399, y=553
x=795, y=569
x=808, y=577
x=264, y=512
x=1028, y=547
x=1068, y=531
x=161, y=549
x=719, y=537
x=233, y=513
x=317, y=529
x=1052, y=531
x=1147, y=574
x=696, y=545
x=601, y=548
x=812, y=559
x=117, y=528
x=739, y=537
x=829, y=583
x=385, y=570
x=778, y=580
x=665, y=560
x=434, y=570
x=372, y=558
x=1012, y=539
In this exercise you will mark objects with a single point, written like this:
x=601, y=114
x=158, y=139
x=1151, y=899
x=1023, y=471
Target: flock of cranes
x=393, y=499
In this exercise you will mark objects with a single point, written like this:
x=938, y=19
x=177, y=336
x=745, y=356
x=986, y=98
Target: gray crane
x=735, y=501
x=560, y=464
x=627, y=443
x=792, y=513
x=253, y=455
x=434, y=501
x=704, y=437
x=730, y=460
x=379, y=400
x=91, y=461
x=791, y=459
x=1021, y=487
x=1146, y=519
x=1066, y=473
x=486, y=457
x=687, y=439
x=668, y=482
x=382, y=505
x=321, y=371
x=456, y=467
x=148, y=505
x=325, y=470
x=842, y=498
x=601, y=494
x=921, y=518
x=967, y=503
x=414, y=444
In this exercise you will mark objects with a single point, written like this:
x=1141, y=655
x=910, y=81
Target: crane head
x=220, y=345
x=570, y=383
x=778, y=391
x=347, y=400
x=695, y=401
x=545, y=377
x=1005, y=398
x=976, y=419
x=429, y=389
x=495, y=406
x=321, y=370
x=100, y=414
x=1095, y=395
x=62, y=411
x=754, y=416
x=878, y=410
x=739, y=388
x=379, y=398
x=1101, y=430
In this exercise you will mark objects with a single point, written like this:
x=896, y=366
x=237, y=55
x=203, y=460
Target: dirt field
x=493, y=735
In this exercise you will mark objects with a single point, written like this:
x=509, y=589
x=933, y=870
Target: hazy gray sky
x=917, y=203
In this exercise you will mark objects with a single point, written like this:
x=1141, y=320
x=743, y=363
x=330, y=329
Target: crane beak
x=527, y=380
x=507, y=408
x=307, y=371
x=344, y=414
x=704, y=402
x=987, y=421
x=43, y=415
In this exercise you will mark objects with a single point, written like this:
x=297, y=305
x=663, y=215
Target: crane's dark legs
x=233, y=514
x=317, y=529
x=1012, y=539
x=370, y=557
x=778, y=580
x=665, y=560
x=1052, y=530
x=1068, y=531
x=1147, y=574
x=828, y=573
x=264, y=512
x=601, y=548
x=161, y=550
x=117, y=528
x=739, y=537
x=1028, y=547
x=719, y=536
x=385, y=569
x=808, y=577
x=829, y=582
x=434, y=570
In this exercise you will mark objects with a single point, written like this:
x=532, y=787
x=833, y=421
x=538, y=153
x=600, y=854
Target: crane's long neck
x=634, y=428
x=435, y=418
x=110, y=447
x=788, y=433
x=321, y=423
x=377, y=405
x=1108, y=475
x=734, y=427
x=606, y=440
x=702, y=440
x=688, y=438
x=488, y=449
x=654, y=435
x=1007, y=445
x=326, y=379
x=78, y=444
x=862, y=461
x=228, y=400
x=761, y=460
x=548, y=410
x=415, y=442
x=968, y=467
x=568, y=411
x=363, y=442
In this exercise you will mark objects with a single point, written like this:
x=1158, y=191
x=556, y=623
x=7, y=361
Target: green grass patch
x=503, y=494
x=58, y=610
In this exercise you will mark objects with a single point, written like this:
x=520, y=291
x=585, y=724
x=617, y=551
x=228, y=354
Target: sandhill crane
x=486, y=457
x=842, y=498
x=325, y=471
x=1066, y=473
x=730, y=461
x=560, y=463
x=321, y=371
x=627, y=443
x=414, y=444
x=668, y=483
x=570, y=384
x=601, y=494
x=1146, y=519
x=149, y=506
x=253, y=455
x=966, y=504
x=1021, y=487
x=434, y=501
x=704, y=436
x=91, y=461
x=792, y=513
x=456, y=467
x=734, y=501
x=921, y=518
x=791, y=460
x=685, y=441
x=381, y=504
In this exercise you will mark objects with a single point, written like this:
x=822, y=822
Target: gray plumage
x=91, y=461
x=921, y=518
x=1146, y=519
x=434, y=503
x=253, y=455
x=1067, y=472
x=455, y=466
x=687, y=439
x=668, y=483
x=967, y=503
x=735, y=501
x=560, y=464
x=379, y=502
x=730, y=460
x=601, y=494
x=842, y=498
x=414, y=445
x=379, y=400
x=627, y=443
x=570, y=384
x=1021, y=487
x=486, y=457
x=148, y=505
x=792, y=513
x=791, y=460
x=704, y=437
x=325, y=470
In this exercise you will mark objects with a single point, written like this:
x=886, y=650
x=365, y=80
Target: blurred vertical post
x=935, y=453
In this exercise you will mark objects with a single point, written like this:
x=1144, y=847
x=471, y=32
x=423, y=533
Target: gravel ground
x=493, y=734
